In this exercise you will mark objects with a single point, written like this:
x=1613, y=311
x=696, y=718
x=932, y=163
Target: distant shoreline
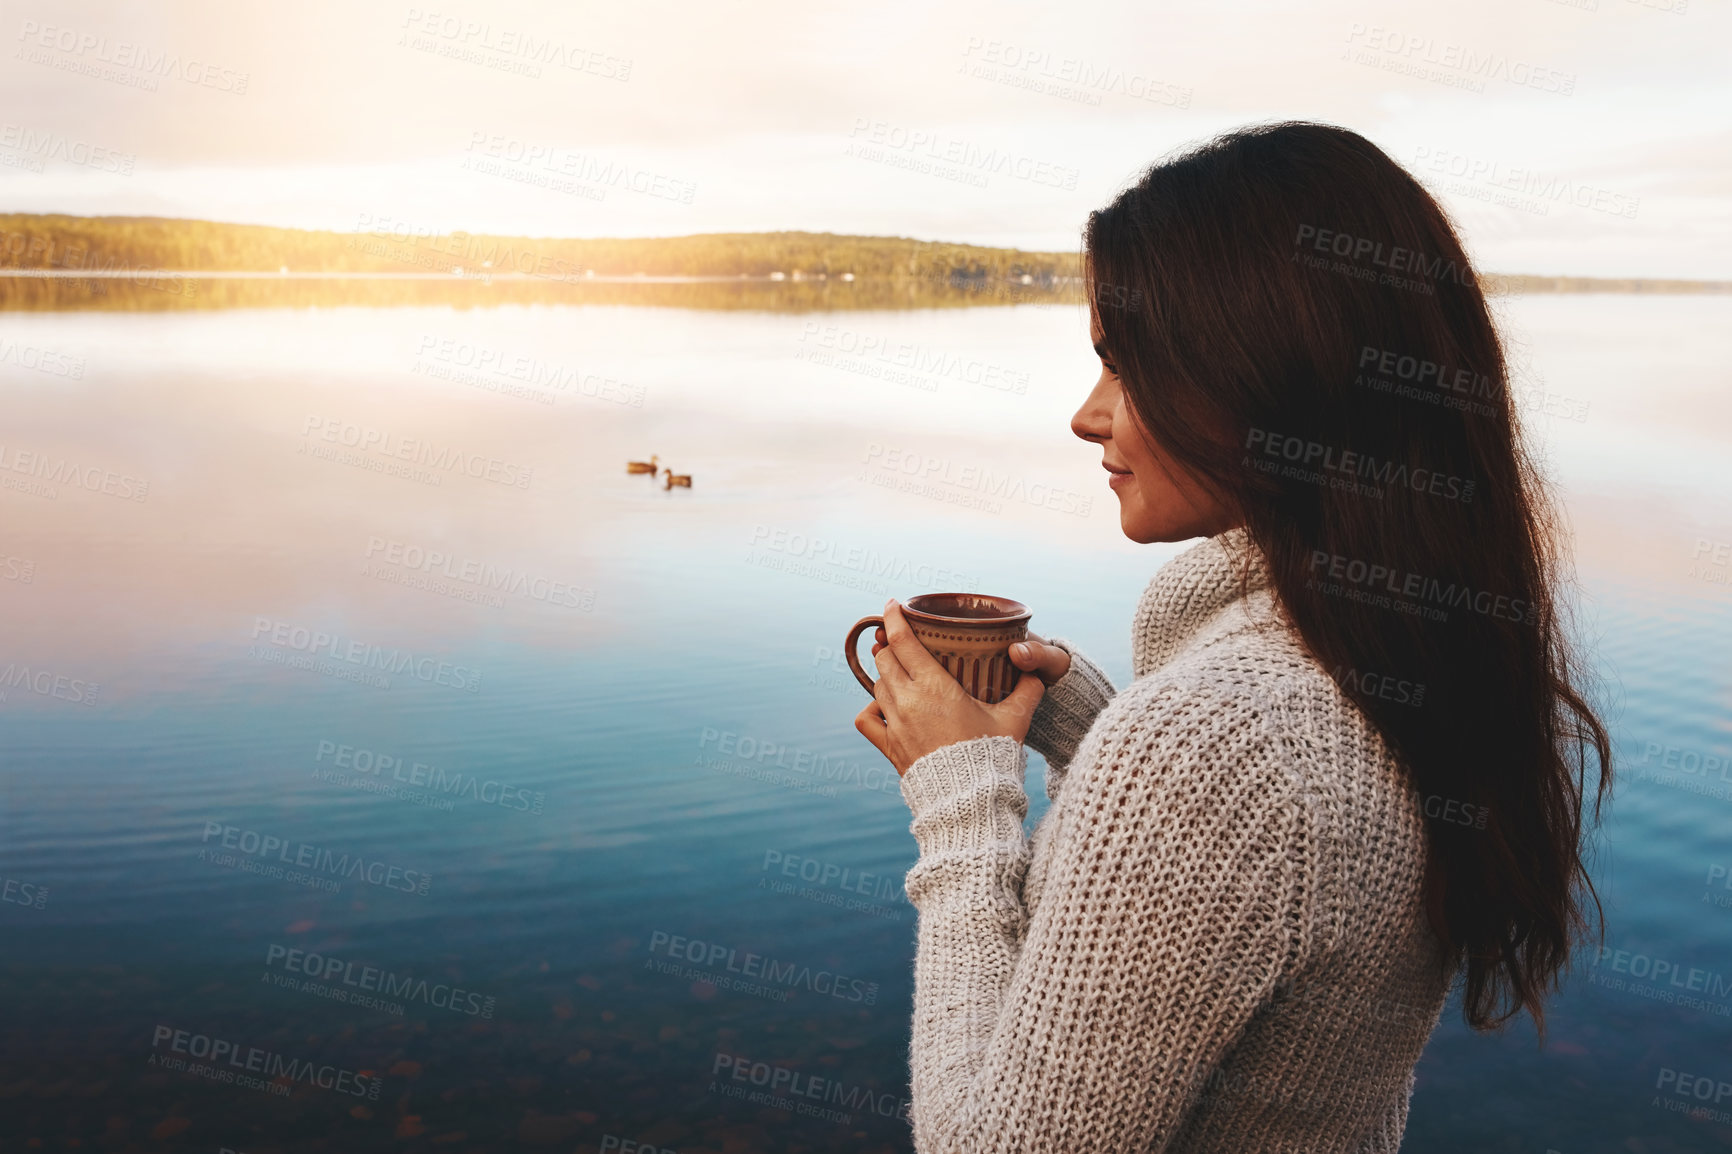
x=51, y=262
x=142, y=273
x=1495, y=283
x=385, y=244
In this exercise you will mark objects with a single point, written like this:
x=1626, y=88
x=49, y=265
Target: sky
x=1592, y=137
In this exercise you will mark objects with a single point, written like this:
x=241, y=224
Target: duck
x=648, y=466
x=673, y=480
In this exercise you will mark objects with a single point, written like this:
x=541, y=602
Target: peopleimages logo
x=313, y=642
x=89, y=50
x=65, y=471
x=41, y=360
x=969, y=158
x=515, y=42
x=484, y=574
x=1365, y=576
x=251, y=1059
x=873, y=885
x=417, y=450
x=820, y=766
x=45, y=144
x=1687, y=761
x=917, y=358
x=1426, y=373
x=784, y=1080
x=372, y=979
x=311, y=857
x=1382, y=686
x=47, y=683
x=1396, y=258
x=974, y=478
x=1458, y=65
x=858, y=559
x=764, y=969
x=481, y=255
x=531, y=371
x=1526, y=181
x=1448, y=809
x=1350, y=467
x=1702, y=1087
x=50, y=252
x=23, y=893
x=582, y=167
x=487, y=791
x=1672, y=973
x=1088, y=78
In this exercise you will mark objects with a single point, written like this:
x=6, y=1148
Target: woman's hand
x=919, y=707
x=1048, y=662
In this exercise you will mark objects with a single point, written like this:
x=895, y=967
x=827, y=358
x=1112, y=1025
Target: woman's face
x=1158, y=501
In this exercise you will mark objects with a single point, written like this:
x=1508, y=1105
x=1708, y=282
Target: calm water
x=561, y=723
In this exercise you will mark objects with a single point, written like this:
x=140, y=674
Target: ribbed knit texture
x=1214, y=940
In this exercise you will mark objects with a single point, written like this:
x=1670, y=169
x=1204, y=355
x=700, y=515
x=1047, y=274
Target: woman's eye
x=1110, y=367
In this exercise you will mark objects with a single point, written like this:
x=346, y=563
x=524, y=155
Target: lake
x=366, y=719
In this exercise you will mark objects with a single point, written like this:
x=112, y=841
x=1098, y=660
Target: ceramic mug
x=969, y=633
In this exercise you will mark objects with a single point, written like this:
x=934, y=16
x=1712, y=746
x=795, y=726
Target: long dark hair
x=1296, y=324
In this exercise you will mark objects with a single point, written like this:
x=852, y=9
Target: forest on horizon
x=134, y=262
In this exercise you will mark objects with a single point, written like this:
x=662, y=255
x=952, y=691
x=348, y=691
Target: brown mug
x=969, y=633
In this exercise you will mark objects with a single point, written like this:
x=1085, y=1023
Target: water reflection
x=516, y=723
x=168, y=291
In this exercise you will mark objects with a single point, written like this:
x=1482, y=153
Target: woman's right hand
x=1048, y=662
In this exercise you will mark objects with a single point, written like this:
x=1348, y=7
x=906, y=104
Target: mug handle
x=860, y=627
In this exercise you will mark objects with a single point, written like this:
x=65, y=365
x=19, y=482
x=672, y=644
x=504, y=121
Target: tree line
x=380, y=245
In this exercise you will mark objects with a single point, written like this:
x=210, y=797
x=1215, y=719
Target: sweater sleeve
x=1066, y=710
x=1176, y=899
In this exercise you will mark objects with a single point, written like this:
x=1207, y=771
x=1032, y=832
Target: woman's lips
x=1118, y=477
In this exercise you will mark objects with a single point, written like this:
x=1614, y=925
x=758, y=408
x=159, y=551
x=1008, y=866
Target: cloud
x=375, y=106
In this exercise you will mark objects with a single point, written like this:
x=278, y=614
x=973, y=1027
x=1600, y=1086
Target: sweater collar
x=1190, y=591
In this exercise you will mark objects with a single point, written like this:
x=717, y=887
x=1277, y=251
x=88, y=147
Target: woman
x=1351, y=768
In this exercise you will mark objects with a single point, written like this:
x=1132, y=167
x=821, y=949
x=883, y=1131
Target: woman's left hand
x=919, y=707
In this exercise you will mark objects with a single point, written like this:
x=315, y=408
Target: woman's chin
x=1134, y=522
x=1145, y=528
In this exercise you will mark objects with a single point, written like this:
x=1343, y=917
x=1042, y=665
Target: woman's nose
x=1094, y=420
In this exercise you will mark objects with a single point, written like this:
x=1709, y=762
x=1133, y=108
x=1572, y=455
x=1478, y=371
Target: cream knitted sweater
x=1214, y=940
